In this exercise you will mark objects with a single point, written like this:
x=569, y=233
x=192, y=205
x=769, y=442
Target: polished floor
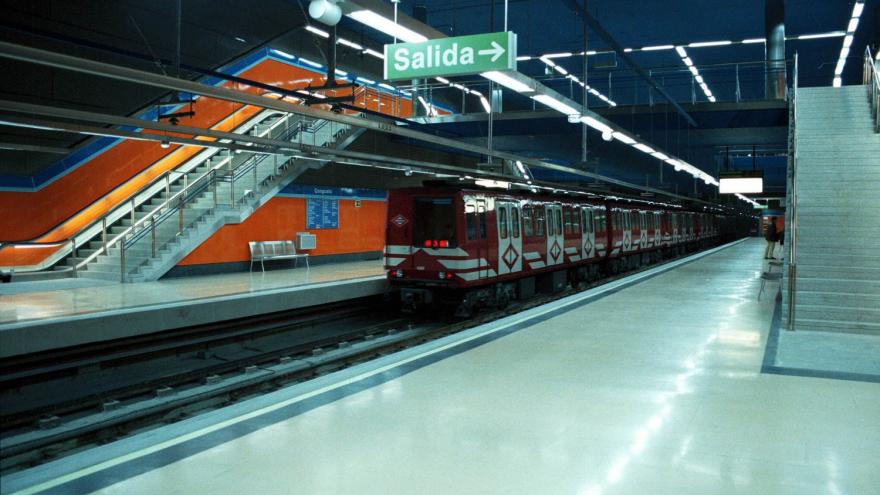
x=27, y=301
x=655, y=388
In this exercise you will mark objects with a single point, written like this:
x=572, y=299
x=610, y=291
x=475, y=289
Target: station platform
x=653, y=383
x=38, y=316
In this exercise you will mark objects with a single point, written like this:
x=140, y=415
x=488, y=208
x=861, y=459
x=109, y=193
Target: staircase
x=223, y=190
x=836, y=213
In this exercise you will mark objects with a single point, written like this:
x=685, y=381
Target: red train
x=483, y=247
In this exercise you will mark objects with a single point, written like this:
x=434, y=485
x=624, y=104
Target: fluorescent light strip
x=560, y=70
x=507, y=81
x=309, y=62
x=387, y=26
x=555, y=104
x=595, y=124
x=753, y=40
x=658, y=47
x=709, y=43
x=374, y=53
x=351, y=44
x=858, y=8
x=681, y=51
x=485, y=104
x=817, y=36
x=319, y=32
x=623, y=138
x=558, y=55
x=442, y=79
x=643, y=148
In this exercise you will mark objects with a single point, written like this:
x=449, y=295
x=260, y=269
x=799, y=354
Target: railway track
x=60, y=402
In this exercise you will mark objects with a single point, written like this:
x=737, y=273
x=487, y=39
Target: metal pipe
x=73, y=252
x=43, y=57
x=774, y=32
x=122, y=260
x=153, y=235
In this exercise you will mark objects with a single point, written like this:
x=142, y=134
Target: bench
x=263, y=251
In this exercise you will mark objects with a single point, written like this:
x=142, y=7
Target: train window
x=576, y=220
x=539, y=221
x=567, y=221
x=588, y=221
x=643, y=223
x=527, y=221
x=502, y=222
x=470, y=218
x=558, y=221
x=434, y=220
x=551, y=227
x=514, y=221
x=481, y=218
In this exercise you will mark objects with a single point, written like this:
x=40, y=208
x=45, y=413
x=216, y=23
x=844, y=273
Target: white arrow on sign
x=496, y=49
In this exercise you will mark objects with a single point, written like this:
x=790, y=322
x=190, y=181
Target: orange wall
x=360, y=230
x=35, y=215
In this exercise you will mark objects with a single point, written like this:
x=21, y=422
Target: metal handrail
x=130, y=200
x=872, y=79
x=792, y=211
x=178, y=202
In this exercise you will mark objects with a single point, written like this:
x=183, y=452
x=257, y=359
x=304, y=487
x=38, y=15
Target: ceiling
x=136, y=33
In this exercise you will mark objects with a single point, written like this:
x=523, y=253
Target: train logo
x=510, y=256
x=555, y=251
x=399, y=220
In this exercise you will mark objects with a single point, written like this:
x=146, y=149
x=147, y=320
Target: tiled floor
x=71, y=297
x=655, y=389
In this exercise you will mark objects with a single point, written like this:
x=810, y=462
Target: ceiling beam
x=101, y=69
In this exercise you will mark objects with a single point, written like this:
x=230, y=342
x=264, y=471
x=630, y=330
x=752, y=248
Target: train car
x=484, y=247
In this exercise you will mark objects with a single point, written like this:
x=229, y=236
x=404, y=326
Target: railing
x=792, y=211
x=123, y=209
x=872, y=80
x=149, y=232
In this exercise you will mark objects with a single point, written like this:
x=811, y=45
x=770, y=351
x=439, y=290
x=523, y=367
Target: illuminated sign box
x=741, y=181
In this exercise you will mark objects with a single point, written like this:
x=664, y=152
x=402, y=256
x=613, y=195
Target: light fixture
x=387, y=26
x=560, y=70
x=557, y=55
x=710, y=43
x=681, y=51
x=164, y=143
x=522, y=58
x=595, y=124
x=753, y=40
x=351, y=44
x=442, y=79
x=507, y=81
x=364, y=80
x=319, y=32
x=853, y=25
x=374, y=53
x=555, y=104
x=643, y=148
x=283, y=54
x=659, y=156
x=309, y=62
x=485, y=103
x=832, y=34
x=325, y=11
x=623, y=138
x=658, y=47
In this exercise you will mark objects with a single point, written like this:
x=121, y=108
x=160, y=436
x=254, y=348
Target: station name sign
x=456, y=56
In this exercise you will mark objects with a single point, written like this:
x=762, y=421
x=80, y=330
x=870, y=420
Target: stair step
x=819, y=325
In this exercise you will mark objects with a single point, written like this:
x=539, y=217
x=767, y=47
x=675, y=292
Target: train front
x=423, y=255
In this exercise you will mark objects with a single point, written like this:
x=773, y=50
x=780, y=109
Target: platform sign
x=460, y=55
x=322, y=213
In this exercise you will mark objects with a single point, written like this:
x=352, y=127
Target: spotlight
x=607, y=136
x=407, y=172
x=164, y=143
x=325, y=11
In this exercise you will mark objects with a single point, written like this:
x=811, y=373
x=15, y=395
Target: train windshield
x=434, y=222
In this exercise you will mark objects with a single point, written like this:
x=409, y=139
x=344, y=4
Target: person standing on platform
x=771, y=235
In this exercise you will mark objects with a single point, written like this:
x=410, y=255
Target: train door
x=643, y=230
x=509, y=238
x=657, y=229
x=600, y=231
x=482, y=246
x=588, y=233
x=627, y=231
x=555, y=240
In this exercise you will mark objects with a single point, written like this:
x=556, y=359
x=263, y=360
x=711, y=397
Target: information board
x=322, y=213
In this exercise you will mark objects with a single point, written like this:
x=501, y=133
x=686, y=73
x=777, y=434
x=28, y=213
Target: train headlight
x=398, y=273
x=441, y=275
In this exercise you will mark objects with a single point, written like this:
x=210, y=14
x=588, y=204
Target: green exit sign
x=456, y=56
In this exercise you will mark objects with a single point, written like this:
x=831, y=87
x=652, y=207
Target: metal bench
x=263, y=251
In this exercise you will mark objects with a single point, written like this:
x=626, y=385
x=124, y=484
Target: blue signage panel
x=322, y=213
